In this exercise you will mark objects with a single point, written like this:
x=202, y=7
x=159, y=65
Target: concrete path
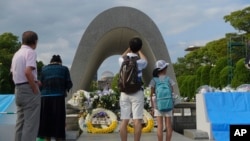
x=115, y=137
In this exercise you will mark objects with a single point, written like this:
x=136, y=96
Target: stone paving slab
x=116, y=137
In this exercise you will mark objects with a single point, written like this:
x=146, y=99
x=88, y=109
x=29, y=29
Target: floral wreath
x=149, y=123
x=102, y=126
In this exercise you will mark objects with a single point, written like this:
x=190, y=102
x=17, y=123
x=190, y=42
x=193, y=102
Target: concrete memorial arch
x=108, y=34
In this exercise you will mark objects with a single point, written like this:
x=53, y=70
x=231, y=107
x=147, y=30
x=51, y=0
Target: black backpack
x=128, y=81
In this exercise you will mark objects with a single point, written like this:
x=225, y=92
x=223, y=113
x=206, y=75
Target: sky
x=60, y=24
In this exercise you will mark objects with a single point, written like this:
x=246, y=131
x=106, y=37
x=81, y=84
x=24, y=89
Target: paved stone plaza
x=115, y=137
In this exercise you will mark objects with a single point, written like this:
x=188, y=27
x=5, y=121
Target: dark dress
x=56, y=81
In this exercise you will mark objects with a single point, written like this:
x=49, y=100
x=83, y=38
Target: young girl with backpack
x=162, y=107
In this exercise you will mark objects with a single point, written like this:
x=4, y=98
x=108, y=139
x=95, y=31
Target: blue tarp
x=5, y=101
x=7, y=121
x=224, y=109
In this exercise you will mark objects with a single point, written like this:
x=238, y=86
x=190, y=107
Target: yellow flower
x=114, y=123
x=149, y=123
x=101, y=129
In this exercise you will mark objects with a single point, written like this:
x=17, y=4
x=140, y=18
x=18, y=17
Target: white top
x=141, y=63
x=23, y=58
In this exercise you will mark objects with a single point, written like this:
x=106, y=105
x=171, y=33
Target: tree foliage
x=223, y=77
x=180, y=67
x=114, y=83
x=205, y=75
x=213, y=63
x=198, y=73
x=241, y=74
x=93, y=86
x=220, y=64
x=239, y=19
x=8, y=46
x=216, y=49
x=210, y=65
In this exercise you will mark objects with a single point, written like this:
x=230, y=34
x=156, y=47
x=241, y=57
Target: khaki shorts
x=132, y=105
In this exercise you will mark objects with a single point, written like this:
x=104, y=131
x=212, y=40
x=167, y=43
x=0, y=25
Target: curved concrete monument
x=108, y=34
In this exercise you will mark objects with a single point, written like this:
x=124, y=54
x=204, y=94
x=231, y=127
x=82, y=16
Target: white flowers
x=84, y=100
x=96, y=97
x=79, y=98
x=205, y=88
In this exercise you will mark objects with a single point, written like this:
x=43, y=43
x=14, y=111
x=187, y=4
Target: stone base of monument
x=73, y=130
x=72, y=118
x=184, y=116
x=72, y=122
x=72, y=135
x=195, y=134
